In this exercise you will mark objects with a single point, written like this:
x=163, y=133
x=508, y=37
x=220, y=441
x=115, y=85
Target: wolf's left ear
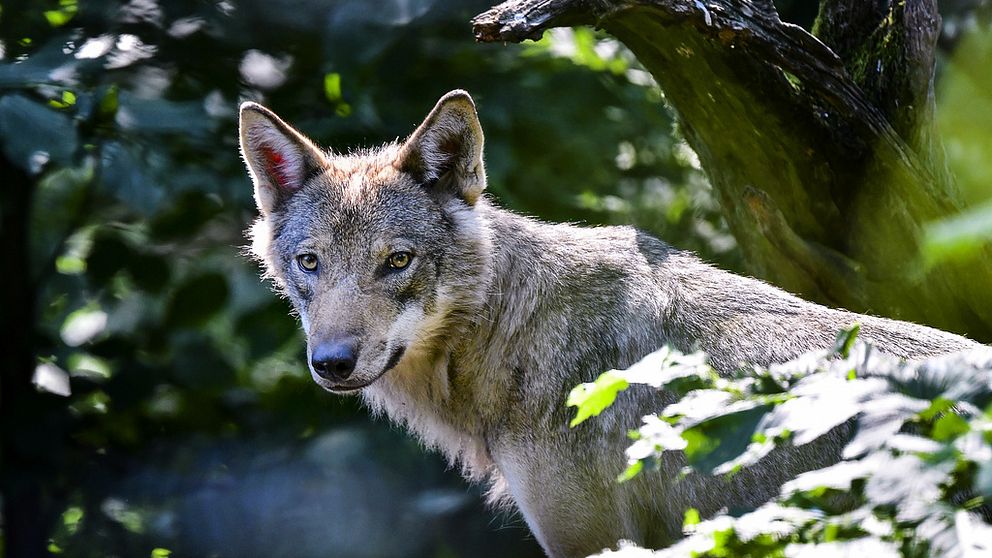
x=279, y=159
x=445, y=152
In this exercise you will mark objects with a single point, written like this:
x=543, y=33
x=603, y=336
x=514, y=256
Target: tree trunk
x=29, y=427
x=820, y=149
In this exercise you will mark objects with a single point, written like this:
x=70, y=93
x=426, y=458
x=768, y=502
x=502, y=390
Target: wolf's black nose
x=334, y=360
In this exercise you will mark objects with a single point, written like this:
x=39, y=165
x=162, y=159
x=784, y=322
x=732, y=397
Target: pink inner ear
x=275, y=166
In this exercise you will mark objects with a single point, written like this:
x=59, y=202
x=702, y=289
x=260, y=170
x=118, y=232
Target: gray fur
x=501, y=315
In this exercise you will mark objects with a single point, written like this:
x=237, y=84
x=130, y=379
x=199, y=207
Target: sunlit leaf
x=594, y=397
x=838, y=476
x=67, y=10
x=859, y=547
x=666, y=366
x=128, y=516
x=83, y=325
x=938, y=407
x=631, y=471
x=691, y=519
x=70, y=265
x=50, y=378
x=845, y=340
x=71, y=518
x=974, y=535
x=907, y=482
x=653, y=438
x=332, y=87
x=68, y=99
x=949, y=426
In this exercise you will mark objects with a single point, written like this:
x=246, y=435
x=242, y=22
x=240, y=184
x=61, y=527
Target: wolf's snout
x=334, y=360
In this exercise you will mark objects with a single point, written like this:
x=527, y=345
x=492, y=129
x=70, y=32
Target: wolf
x=469, y=324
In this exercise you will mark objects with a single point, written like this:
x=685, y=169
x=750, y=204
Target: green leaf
x=830, y=532
x=110, y=101
x=83, y=325
x=67, y=10
x=631, y=471
x=973, y=503
x=592, y=398
x=949, y=426
x=668, y=368
x=161, y=553
x=332, y=87
x=691, y=519
x=939, y=406
x=845, y=340
x=70, y=265
x=721, y=439
x=68, y=99
x=72, y=516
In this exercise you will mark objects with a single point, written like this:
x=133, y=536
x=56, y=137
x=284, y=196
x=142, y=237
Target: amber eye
x=307, y=262
x=399, y=260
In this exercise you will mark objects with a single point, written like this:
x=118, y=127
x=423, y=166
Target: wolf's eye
x=399, y=260
x=307, y=262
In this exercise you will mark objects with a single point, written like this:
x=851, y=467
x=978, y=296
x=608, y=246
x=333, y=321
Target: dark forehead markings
x=278, y=223
x=326, y=209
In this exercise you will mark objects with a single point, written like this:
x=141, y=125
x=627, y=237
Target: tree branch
x=888, y=50
x=769, y=107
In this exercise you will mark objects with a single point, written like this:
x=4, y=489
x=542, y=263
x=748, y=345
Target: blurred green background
x=175, y=413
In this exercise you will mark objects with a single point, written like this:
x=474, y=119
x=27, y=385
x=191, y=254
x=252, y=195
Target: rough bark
x=820, y=150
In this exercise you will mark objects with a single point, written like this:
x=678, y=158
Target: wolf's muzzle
x=334, y=359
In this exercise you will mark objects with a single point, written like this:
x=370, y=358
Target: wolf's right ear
x=279, y=159
x=445, y=152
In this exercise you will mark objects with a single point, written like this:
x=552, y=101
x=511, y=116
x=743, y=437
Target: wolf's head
x=379, y=251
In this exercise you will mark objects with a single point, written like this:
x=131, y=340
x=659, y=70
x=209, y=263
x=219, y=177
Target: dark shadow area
x=155, y=394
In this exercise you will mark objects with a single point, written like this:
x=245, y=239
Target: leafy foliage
x=916, y=474
x=175, y=408
x=173, y=382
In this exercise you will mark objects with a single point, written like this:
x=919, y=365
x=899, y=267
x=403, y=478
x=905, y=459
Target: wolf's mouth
x=394, y=359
